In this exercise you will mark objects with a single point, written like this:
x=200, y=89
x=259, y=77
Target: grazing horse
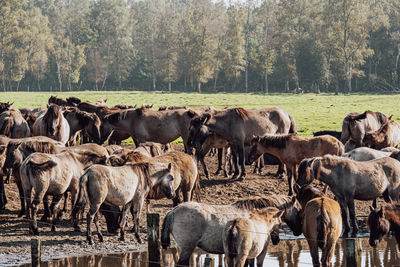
x=292, y=149
x=382, y=220
x=52, y=124
x=356, y=125
x=248, y=238
x=81, y=120
x=388, y=135
x=13, y=124
x=321, y=223
x=335, y=134
x=238, y=125
x=200, y=225
x=349, y=180
x=120, y=186
x=54, y=174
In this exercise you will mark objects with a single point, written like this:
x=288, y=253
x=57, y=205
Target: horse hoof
x=77, y=229
x=53, y=228
x=44, y=219
x=122, y=238
x=101, y=239
x=91, y=242
x=140, y=241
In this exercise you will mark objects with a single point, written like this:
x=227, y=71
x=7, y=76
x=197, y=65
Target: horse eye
x=171, y=178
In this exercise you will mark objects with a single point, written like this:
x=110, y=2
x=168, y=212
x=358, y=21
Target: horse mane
x=308, y=192
x=84, y=116
x=336, y=134
x=39, y=146
x=117, y=116
x=141, y=110
x=133, y=157
x=58, y=101
x=242, y=113
x=122, y=106
x=53, y=110
x=142, y=170
x=356, y=117
x=277, y=201
x=73, y=101
x=278, y=141
x=8, y=124
x=392, y=212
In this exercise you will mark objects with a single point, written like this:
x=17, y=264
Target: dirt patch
x=15, y=240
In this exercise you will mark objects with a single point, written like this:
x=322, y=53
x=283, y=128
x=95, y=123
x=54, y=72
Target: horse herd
x=60, y=150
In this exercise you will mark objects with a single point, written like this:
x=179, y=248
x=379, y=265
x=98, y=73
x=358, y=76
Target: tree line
x=200, y=45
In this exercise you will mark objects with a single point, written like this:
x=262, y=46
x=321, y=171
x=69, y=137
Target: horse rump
x=232, y=233
x=166, y=230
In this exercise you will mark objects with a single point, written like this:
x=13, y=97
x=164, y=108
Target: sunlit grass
x=312, y=112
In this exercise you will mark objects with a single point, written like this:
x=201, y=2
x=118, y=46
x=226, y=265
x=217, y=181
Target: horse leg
x=345, y=216
x=122, y=224
x=54, y=209
x=3, y=197
x=46, y=213
x=290, y=179
x=39, y=194
x=235, y=162
x=201, y=158
x=98, y=228
x=21, y=198
x=261, y=256
x=219, y=154
x=186, y=252
x=353, y=217
x=242, y=161
x=261, y=164
x=313, y=244
x=89, y=219
x=136, y=208
x=250, y=263
x=327, y=252
x=281, y=170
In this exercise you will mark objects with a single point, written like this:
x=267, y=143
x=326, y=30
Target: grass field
x=312, y=112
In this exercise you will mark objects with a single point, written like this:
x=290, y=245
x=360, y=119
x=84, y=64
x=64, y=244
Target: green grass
x=312, y=112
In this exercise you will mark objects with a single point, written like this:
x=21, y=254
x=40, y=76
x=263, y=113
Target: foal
x=248, y=238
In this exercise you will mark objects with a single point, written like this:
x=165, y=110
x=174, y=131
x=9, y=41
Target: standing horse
x=248, y=238
x=321, y=223
x=356, y=125
x=382, y=220
x=81, y=120
x=13, y=124
x=388, y=135
x=52, y=124
x=292, y=149
x=349, y=180
x=200, y=225
x=120, y=186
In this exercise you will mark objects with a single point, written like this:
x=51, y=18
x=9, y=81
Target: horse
x=54, y=174
x=356, y=125
x=335, y=134
x=73, y=101
x=172, y=107
x=200, y=225
x=388, y=135
x=238, y=125
x=365, y=154
x=13, y=124
x=58, y=101
x=321, y=223
x=291, y=149
x=349, y=180
x=5, y=106
x=52, y=124
x=248, y=238
x=121, y=186
x=81, y=120
x=382, y=220
x=16, y=152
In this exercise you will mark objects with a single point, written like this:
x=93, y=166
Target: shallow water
x=287, y=253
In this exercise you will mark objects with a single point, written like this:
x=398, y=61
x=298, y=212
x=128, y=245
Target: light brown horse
x=292, y=149
x=52, y=124
x=349, y=180
x=13, y=124
x=356, y=125
x=248, y=238
x=238, y=126
x=121, y=186
x=321, y=222
x=388, y=135
x=54, y=174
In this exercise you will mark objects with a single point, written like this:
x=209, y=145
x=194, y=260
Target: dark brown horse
x=58, y=101
x=81, y=120
x=13, y=124
x=382, y=220
x=388, y=135
x=356, y=125
x=335, y=134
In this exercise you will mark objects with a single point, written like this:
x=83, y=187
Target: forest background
x=200, y=45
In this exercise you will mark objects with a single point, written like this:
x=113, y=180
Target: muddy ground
x=15, y=240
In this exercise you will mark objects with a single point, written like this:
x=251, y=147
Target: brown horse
x=321, y=223
x=52, y=124
x=248, y=238
x=121, y=186
x=382, y=220
x=335, y=134
x=81, y=120
x=13, y=124
x=292, y=149
x=349, y=180
x=238, y=125
x=58, y=101
x=388, y=135
x=356, y=125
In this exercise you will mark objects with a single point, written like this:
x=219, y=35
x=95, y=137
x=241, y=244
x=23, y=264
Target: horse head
x=255, y=149
x=378, y=225
x=308, y=171
x=166, y=181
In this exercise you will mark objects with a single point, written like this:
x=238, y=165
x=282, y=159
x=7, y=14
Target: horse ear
x=294, y=198
x=279, y=214
x=390, y=117
x=191, y=113
x=2, y=149
x=371, y=208
x=380, y=212
x=151, y=106
x=169, y=166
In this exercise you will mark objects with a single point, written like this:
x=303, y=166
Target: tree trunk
x=169, y=87
x=184, y=82
x=266, y=81
x=215, y=81
x=287, y=86
x=397, y=65
x=199, y=87
x=336, y=86
x=247, y=49
x=348, y=78
x=59, y=77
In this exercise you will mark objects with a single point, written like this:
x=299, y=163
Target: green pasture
x=312, y=112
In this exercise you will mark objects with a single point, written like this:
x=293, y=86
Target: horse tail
x=40, y=167
x=292, y=128
x=197, y=185
x=166, y=230
x=82, y=197
x=231, y=239
x=321, y=226
x=8, y=123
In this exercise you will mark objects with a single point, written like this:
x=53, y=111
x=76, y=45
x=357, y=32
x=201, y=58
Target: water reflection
x=290, y=253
